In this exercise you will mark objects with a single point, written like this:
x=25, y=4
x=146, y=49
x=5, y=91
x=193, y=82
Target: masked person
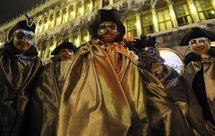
x=150, y=59
x=19, y=67
x=63, y=58
x=103, y=94
x=165, y=117
x=47, y=91
x=199, y=73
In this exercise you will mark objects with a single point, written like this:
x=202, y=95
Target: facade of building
x=168, y=20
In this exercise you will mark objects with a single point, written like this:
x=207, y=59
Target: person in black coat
x=19, y=67
x=199, y=72
x=47, y=91
x=165, y=116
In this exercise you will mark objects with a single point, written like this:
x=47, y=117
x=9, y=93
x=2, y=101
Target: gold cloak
x=103, y=94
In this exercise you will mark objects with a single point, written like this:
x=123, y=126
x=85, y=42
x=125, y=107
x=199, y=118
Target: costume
x=165, y=117
x=18, y=72
x=47, y=92
x=103, y=94
x=150, y=59
x=199, y=73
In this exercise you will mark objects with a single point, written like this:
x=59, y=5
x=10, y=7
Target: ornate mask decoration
x=199, y=45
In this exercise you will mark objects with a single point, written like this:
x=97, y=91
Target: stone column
x=155, y=21
x=138, y=24
x=172, y=13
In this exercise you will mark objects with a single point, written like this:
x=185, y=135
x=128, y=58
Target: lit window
x=88, y=7
x=96, y=4
x=131, y=26
x=76, y=40
x=205, y=9
x=147, y=23
x=164, y=19
x=58, y=18
x=182, y=13
x=79, y=10
x=45, y=23
x=51, y=22
x=84, y=38
x=64, y=16
x=39, y=27
x=71, y=13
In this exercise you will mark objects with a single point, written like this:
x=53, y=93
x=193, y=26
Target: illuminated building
x=168, y=20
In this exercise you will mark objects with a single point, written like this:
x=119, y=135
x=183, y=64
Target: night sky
x=10, y=9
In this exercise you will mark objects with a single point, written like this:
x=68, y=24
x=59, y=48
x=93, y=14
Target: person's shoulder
x=191, y=57
x=212, y=51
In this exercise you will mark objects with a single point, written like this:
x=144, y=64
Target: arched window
x=64, y=16
x=79, y=10
x=76, y=40
x=88, y=6
x=45, y=24
x=172, y=58
x=84, y=37
x=39, y=27
x=71, y=12
x=51, y=21
x=58, y=18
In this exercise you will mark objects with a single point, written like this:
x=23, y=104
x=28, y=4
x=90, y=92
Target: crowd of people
x=109, y=86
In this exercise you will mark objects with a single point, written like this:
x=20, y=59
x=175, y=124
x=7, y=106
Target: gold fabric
x=103, y=94
x=165, y=114
x=208, y=65
x=190, y=109
x=164, y=73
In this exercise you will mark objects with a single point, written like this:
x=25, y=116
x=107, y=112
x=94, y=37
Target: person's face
x=108, y=31
x=200, y=45
x=23, y=40
x=148, y=55
x=66, y=54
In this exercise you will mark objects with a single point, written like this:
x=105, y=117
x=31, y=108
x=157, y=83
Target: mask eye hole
x=29, y=37
x=19, y=35
x=112, y=27
x=103, y=27
x=193, y=41
x=202, y=40
x=151, y=52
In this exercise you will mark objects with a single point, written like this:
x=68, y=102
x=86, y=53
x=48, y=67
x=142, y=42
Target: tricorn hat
x=64, y=45
x=197, y=32
x=26, y=24
x=106, y=15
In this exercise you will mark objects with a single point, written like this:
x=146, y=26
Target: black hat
x=106, y=15
x=64, y=45
x=23, y=24
x=145, y=41
x=197, y=32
